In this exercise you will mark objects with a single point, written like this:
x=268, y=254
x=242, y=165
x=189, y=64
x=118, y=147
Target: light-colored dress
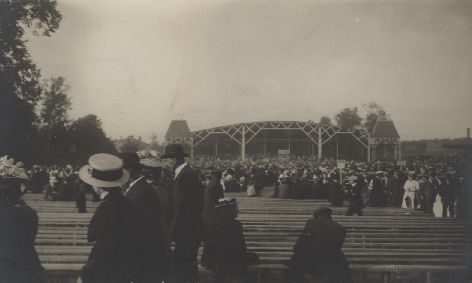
x=410, y=187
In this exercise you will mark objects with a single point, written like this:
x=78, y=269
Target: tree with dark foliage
x=348, y=118
x=88, y=138
x=54, y=121
x=19, y=77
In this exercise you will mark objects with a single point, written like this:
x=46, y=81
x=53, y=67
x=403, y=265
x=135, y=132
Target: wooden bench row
x=385, y=240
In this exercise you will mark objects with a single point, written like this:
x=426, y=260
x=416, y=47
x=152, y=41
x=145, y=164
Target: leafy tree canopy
x=374, y=112
x=55, y=104
x=19, y=77
x=88, y=138
x=325, y=121
x=348, y=118
x=18, y=72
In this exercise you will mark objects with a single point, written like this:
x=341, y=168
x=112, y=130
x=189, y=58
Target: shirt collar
x=133, y=183
x=179, y=169
x=103, y=195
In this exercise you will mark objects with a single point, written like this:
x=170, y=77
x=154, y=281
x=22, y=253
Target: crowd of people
x=145, y=204
x=133, y=225
x=433, y=185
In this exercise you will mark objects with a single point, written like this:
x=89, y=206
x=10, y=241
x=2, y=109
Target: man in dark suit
x=354, y=194
x=318, y=250
x=259, y=180
x=187, y=222
x=113, y=226
x=336, y=193
x=429, y=193
x=395, y=190
x=152, y=262
x=81, y=190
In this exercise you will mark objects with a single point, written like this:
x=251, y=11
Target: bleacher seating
x=387, y=241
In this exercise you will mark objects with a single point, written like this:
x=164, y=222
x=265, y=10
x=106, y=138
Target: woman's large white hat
x=104, y=170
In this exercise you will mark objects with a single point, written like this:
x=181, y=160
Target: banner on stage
x=401, y=162
x=284, y=151
x=341, y=164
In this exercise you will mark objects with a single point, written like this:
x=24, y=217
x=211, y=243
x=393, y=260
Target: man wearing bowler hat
x=151, y=243
x=187, y=221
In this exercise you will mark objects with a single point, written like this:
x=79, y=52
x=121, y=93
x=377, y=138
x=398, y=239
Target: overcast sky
x=139, y=64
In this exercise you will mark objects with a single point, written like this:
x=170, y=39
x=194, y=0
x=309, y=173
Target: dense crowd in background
x=431, y=184
x=160, y=200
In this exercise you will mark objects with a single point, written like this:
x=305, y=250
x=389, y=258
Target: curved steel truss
x=246, y=132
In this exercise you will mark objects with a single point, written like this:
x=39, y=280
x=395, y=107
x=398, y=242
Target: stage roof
x=385, y=129
x=178, y=129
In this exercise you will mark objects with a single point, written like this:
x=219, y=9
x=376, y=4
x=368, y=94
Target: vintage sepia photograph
x=235, y=141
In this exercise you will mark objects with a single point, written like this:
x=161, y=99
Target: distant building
x=130, y=143
x=411, y=149
x=462, y=146
x=385, y=141
x=179, y=132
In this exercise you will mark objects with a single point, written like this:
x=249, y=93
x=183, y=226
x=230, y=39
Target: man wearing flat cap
x=152, y=246
x=187, y=221
x=318, y=250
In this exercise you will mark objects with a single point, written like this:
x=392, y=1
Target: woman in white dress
x=410, y=187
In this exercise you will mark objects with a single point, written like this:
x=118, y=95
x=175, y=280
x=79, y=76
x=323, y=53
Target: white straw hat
x=104, y=170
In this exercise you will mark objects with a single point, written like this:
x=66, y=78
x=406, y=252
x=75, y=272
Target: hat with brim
x=151, y=163
x=174, y=150
x=130, y=160
x=105, y=171
x=353, y=178
x=11, y=174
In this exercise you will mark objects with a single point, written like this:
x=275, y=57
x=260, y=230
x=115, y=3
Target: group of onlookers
x=145, y=206
x=434, y=185
x=141, y=212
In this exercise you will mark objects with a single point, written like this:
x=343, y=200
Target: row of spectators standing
x=433, y=185
x=55, y=182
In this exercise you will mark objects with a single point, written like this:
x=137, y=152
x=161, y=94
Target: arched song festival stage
x=269, y=138
x=386, y=244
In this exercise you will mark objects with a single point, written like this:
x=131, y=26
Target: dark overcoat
x=377, y=195
x=113, y=229
x=318, y=249
x=187, y=201
x=228, y=245
x=146, y=200
x=213, y=192
x=19, y=262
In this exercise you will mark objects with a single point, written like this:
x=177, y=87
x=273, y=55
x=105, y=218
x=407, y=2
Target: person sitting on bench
x=318, y=250
x=227, y=255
